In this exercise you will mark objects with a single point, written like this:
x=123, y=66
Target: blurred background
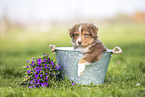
x=36, y=17
x=41, y=17
x=27, y=27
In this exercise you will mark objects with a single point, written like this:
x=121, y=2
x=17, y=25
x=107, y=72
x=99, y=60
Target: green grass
x=124, y=72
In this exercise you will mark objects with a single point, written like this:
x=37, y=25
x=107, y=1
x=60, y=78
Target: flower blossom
x=41, y=71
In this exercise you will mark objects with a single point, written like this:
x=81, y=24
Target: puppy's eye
x=76, y=34
x=86, y=34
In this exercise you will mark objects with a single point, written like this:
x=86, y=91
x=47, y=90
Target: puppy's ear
x=73, y=29
x=93, y=30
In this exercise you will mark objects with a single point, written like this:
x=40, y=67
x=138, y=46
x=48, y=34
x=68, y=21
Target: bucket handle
x=117, y=52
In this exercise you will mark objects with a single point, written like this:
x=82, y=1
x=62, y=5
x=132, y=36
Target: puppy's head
x=83, y=34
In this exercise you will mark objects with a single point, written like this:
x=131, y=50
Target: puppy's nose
x=79, y=42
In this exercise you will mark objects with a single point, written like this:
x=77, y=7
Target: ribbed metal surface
x=94, y=73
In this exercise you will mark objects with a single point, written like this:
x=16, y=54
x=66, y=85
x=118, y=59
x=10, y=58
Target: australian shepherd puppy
x=85, y=39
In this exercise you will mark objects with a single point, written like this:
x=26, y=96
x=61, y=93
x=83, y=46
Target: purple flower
x=45, y=64
x=46, y=78
x=32, y=63
x=41, y=75
x=30, y=87
x=37, y=70
x=28, y=61
x=37, y=67
x=27, y=66
x=58, y=67
x=36, y=76
x=39, y=61
x=44, y=54
x=48, y=60
x=73, y=84
x=46, y=67
x=44, y=60
x=52, y=63
x=43, y=84
x=46, y=84
x=38, y=82
x=34, y=86
x=28, y=71
x=31, y=81
x=49, y=68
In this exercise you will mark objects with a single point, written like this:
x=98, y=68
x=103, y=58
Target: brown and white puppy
x=85, y=39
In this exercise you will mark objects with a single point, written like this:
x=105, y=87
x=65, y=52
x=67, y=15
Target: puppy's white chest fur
x=82, y=49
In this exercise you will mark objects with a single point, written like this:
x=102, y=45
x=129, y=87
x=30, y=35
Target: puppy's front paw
x=81, y=68
x=52, y=47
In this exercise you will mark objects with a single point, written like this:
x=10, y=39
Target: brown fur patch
x=94, y=53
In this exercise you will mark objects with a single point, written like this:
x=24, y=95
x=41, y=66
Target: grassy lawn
x=125, y=76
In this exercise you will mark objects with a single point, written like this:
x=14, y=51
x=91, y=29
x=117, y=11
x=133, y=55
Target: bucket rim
x=71, y=49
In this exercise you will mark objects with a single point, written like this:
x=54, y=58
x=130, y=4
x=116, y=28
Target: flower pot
x=68, y=59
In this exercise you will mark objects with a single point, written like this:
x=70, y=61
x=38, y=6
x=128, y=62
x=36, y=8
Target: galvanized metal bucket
x=95, y=73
